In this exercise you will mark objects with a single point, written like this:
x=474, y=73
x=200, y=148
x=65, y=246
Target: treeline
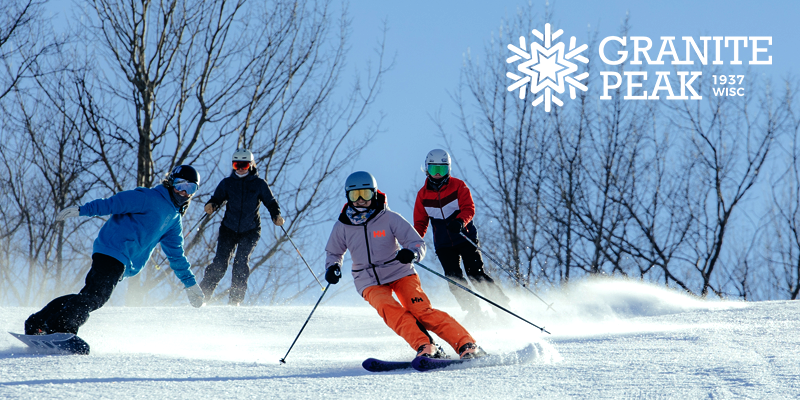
x=124, y=90
x=697, y=195
x=702, y=196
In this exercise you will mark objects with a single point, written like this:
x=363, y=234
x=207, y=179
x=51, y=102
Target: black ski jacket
x=244, y=196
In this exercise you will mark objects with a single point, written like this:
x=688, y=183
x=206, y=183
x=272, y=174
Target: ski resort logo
x=547, y=68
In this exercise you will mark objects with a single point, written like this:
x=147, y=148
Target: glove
x=333, y=274
x=210, y=208
x=455, y=226
x=196, y=297
x=68, y=212
x=278, y=220
x=405, y=256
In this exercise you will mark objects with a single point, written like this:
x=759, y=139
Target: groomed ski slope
x=611, y=339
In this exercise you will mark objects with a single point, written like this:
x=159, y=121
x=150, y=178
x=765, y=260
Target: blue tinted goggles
x=183, y=185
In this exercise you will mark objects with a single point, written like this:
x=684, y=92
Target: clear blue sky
x=429, y=39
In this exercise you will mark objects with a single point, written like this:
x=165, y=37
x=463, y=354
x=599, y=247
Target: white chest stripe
x=447, y=210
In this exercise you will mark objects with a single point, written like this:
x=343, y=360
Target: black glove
x=333, y=274
x=405, y=256
x=455, y=226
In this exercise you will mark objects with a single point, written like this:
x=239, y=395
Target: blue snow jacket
x=140, y=219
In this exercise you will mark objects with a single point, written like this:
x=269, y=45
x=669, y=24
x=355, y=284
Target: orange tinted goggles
x=241, y=164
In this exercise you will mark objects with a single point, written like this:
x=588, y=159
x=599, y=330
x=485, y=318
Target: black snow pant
x=67, y=313
x=243, y=243
x=450, y=258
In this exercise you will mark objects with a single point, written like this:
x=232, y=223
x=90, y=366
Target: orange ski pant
x=414, y=306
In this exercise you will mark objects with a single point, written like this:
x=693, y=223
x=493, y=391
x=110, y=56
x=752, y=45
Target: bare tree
x=39, y=154
x=189, y=81
x=782, y=241
x=730, y=140
x=634, y=188
x=507, y=139
x=24, y=41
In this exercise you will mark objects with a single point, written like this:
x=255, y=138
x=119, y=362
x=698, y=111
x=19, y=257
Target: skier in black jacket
x=241, y=226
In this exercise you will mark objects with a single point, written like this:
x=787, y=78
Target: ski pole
x=481, y=297
x=185, y=235
x=283, y=360
x=511, y=274
x=302, y=258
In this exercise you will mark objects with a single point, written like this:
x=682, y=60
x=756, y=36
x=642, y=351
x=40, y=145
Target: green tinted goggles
x=441, y=169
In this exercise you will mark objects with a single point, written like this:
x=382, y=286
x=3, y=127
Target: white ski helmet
x=243, y=155
x=437, y=156
x=437, y=162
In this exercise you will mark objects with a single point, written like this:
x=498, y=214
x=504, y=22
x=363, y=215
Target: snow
x=610, y=338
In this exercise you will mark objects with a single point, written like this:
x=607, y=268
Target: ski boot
x=471, y=350
x=431, y=350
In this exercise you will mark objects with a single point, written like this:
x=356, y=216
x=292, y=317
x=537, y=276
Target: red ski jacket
x=439, y=206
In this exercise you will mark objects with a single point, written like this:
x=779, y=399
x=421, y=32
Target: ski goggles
x=241, y=164
x=365, y=194
x=441, y=169
x=182, y=185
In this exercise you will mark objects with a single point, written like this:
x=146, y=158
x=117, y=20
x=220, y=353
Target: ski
x=429, y=364
x=524, y=355
x=375, y=365
x=56, y=343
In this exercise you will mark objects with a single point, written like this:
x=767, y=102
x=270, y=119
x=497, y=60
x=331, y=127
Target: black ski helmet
x=191, y=176
x=186, y=172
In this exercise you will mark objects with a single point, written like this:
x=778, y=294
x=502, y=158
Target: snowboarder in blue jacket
x=244, y=191
x=140, y=219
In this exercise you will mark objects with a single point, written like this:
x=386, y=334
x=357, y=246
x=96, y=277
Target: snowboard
x=55, y=343
x=376, y=365
x=524, y=355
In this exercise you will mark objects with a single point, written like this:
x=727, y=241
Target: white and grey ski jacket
x=373, y=246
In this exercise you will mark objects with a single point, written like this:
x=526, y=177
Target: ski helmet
x=360, y=180
x=437, y=157
x=184, y=178
x=243, y=155
x=243, y=158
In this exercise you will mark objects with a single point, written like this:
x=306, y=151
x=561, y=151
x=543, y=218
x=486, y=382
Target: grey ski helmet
x=360, y=180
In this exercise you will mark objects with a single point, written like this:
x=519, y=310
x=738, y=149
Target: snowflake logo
x=547, y=68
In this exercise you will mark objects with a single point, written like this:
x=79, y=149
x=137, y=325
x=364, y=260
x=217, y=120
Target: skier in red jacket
x=447, y=203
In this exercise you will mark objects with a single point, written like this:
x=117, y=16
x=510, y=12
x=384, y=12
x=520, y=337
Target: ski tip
x=368, y=364
x=376, y=365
